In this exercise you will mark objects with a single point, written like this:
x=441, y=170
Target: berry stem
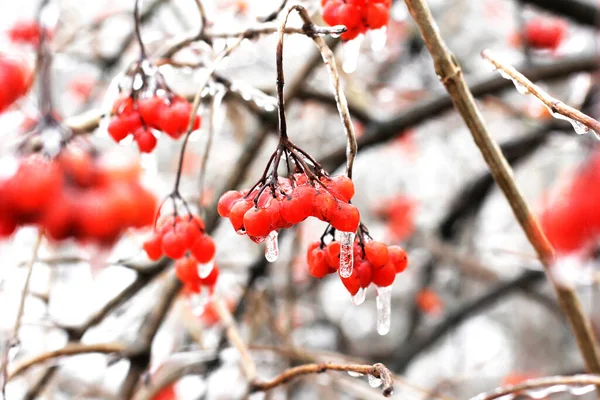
x=281, y=80
x=44, y=65
x=138, y=33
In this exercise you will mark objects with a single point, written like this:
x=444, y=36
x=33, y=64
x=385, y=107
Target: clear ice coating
x=575, y=390
x=346, y=254
x=205, y=269
x=354, y=374
x=374, y=382
x=579, y=128
x=351, y=53
x=272, y=247
x=378, y=38
x=384, y=305
x=359, y=297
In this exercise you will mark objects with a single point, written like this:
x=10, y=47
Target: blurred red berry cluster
x=545, y=33
x=572, y=221
x=375, y=263
x=357, y=15
x=259, y=212
x=15, y=81
x=139, y=118
x=26, y=32
x=399, y=214
x=76, y=195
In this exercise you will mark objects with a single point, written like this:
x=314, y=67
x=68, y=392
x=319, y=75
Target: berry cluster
x=15, y=80
x=398, y=213
x=259, y=211
x=374, y=262
x=572, y=221
x=357, y=15
x=544, y=33
x=75, y=195
x=139, y=117
x=184, y=239
x=26, y=32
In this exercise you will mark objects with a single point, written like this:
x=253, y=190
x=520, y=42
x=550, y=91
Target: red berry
x=15, y=80
x=145, y=139
x=377, y=16
x=317, y=265
x=352, y=283
x=26, y=32
x=257, y=222
x=545, y=33
x=384, y=276
x=345, y=218
x=333, y=255
x=153, y=247
x=186, y=270
x=203, y=249
x=227, y=201
x=398, y=258
x=376, y=253
x=173, y=245
x=236, y=215
x=365, y=273
x=211, y=279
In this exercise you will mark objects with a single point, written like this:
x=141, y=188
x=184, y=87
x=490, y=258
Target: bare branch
x=69, y=350
x=580, y=121
x=377, y=370
x=539, y=383
x=449, y=71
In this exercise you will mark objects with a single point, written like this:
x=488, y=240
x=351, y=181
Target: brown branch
x=582, y=122
x=15, y=332
x=539, y=383
x=450, y=73
x=377, y=370
x=69, y=350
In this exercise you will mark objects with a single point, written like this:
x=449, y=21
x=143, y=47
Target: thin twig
x=539, y=383
x=556, y=107
x=216, y=103
x=448, y=69
x=274, y=14
x=377, y=370
x=340, y=97
x=15, y=332
x=69, y=350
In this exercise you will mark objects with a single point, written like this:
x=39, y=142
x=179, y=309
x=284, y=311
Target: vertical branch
x=215, y=104
x=449, y=71
x=15, y=332
x=281, y=78
x=44, y=63
x=138, y=23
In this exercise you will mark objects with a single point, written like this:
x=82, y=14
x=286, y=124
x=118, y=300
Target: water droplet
x=272, y=247
x=520, y=87
x=346, y=254
x=241, y=231
x=359, y=297
x=354, y=374
x=205, y=269
x=374, y=382
x=579, y=128
x=378, y=38
x=384, y=305
x=336, y=34
x=351, y=53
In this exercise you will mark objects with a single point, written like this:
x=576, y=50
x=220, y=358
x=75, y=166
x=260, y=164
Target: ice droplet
x=378, y=38
x=336, y=34
x=384, y=305
x=374, y=382
x=359, y=297
x=579, y=128
x=346, y=254
x=518, y=85
x=205, y=269
x=351, y=52
x=354, y=374
x=272, y=247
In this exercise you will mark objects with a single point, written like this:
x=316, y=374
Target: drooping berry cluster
x=15, y=80
x=184, y=239
x=151, y=107
x=357, y=15
x=78, y=194
x=139, y=117
x=262, y=210
x=572, y=221
x=544, y=33
x=374, y=262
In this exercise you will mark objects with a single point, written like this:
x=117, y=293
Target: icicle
x=374, y=382
x=346, y=254
x=378, y=38
x=384, y=304
x=205, y=269
x=351, y=53
x=579, y=128
x=359, y=297
x=354, y=374
x=272, y=247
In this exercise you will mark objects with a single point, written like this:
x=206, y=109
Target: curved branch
x=69, y=350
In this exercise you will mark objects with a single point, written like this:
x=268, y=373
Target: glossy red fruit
x=325, y=205
x=226, y=202
x=333, y=255
x=173, y=245
x=151, y=110
x=186, y=270
x=345, y=218
x=377, y=16
x=545, y=33
x=145, y=139
x=257, y=222
x=349, y=15
x=35, y=183
x=211, y=279
x=203, y=249
x=236, y=215
x=25, y=32
x=364, y=272
x=153, y=247
x=342, y=187
x=352, y=283
x=376, y=253
x=384, y=276
x=318, y=266
x=15, y=80
x=398, y=258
